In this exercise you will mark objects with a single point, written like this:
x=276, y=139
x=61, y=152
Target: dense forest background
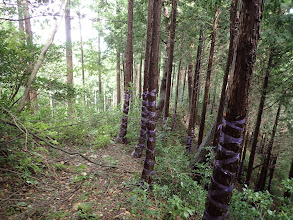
x=146, y=109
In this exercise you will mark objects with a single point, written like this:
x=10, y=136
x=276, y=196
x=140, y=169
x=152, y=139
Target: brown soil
x=74, y=188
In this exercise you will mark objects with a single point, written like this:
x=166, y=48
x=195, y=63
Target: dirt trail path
x=73, y=188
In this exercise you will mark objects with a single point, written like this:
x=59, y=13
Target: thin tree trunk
x=173, y=78
x=258, y=120
x=149, y=161
x=209, y=71
x=128, y=73
x=69, y=61
x=189, y=81
x=193, y=107
x=144, y=110
x=139, y=78
x=99, y=63
x=214, y=99
x=176, y=94
x=234, y=18
x=272, y=169
x=81, y=48
x=226, y=161
x=32, y=97
x=27, y=22
x=170, y=58
x=40, y=59
x=163, y=87
x=184, y=81
x=20, y=15
x=118, y=78
x=263, y=175
x=287, y=193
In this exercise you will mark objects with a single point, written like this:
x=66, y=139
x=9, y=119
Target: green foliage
x=251, y=205
x=179, y=209
x=85, y=211
x=288, y=185
x=257, y=205
x=142, y=204
x=176, y=194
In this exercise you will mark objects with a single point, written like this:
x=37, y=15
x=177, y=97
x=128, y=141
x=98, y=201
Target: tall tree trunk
x=128, y=73
x=226, y=161
x=287, y=193
x=29, y=41
x=258, y=120
x=139, y=76
x=177, y=86
x=170, y=57
x=144, y=110
x=193, y=107
x=27, y=22
x=81, y=53
x=163, y=87
x=176, y=95
x=81, y=47
x=118, y=78
x=20, y=15
x=69, y=61
x=40, y=59
x=272, y=169
x=99, y=63
x=234, y=20
x=173, y=78
x=264, y=171
x=184, y=81
x=189, y=81
x=214, y=99
x=149, y=161
x=209, y=71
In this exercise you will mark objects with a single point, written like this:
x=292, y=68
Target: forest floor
x=71, y=187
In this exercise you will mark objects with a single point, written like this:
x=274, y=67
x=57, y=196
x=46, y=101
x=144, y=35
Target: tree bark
x=139, y=76
x=194, y=96
x=176, y=94
x=184, y=81
x=27, y=23
x=69, y=60
x=144, y=109
x=20, y=15
x=32, y=97
x=149, y=161
x=264, y=171
x=81, y=48
x=209, y=71
x=214, y=99
x=40, y=60
x=118, y=78
x=170, y=57
x=258, y=120
x=232, y=47
x=272, y=170
x=189, y=81
x=163, y=87
x=226, y=161
x=99, y=63
x=128, y=73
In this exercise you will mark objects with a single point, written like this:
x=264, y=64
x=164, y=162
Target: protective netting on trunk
x=231, y=157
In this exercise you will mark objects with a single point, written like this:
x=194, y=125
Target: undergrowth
x=175, y=195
